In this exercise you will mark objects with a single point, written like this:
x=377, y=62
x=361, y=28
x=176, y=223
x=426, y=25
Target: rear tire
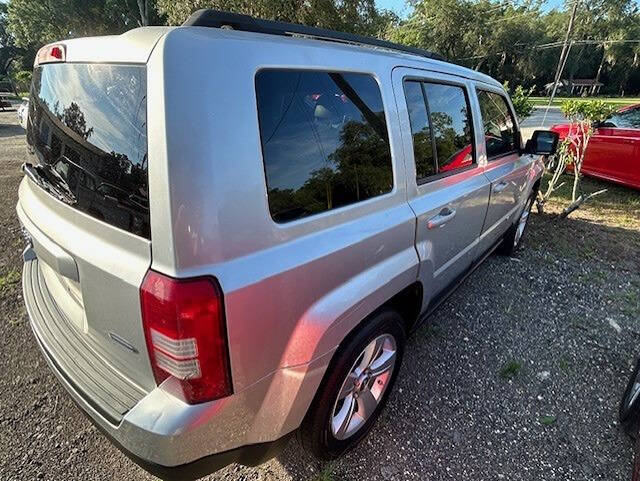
x=630, y=404
x=513, y=237
x=355, y=387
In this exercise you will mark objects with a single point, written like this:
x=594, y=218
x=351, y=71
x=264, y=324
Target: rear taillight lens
x=184, y=325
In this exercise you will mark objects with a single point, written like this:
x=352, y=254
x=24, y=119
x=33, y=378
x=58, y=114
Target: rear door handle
x=442, y=218
x=499, y=187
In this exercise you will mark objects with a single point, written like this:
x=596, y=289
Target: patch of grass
x=619, y=205
x=326, y=474
x=10, y=278
x=557, y=101
x=20, y=316
x=509, y=308
x=511, y=369
x=564, y=364
x=630, y=303
x=548, y=420
x=605, y=229
x=595, y=277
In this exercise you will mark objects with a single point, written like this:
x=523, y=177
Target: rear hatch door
x=84, y=202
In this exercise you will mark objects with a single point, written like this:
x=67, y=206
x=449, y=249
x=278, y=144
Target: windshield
x=87, y=131
x=625, y=119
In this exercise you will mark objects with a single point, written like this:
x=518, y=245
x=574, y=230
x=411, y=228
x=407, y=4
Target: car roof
x=136, y=45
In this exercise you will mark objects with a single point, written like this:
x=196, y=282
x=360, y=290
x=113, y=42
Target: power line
x=546, y=46
x=564, y=55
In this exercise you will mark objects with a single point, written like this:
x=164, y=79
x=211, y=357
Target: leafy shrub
x=521, y=100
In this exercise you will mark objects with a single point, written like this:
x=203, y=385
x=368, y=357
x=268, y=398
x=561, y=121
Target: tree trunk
x=503, y=60
x=575, y=65
x=576, y=178
x=627, y=73
x=143, y=8
x=604, y=56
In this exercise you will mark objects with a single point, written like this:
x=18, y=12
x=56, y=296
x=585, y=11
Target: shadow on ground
x=10, y=130
x=518, y=375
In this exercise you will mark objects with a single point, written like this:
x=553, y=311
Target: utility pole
x=564, y=55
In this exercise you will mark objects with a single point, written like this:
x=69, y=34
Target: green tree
x=520, y=42
x=33, y=23
x=8, y=50
x=357, y=16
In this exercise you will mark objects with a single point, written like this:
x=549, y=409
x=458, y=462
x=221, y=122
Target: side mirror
x=543, y=142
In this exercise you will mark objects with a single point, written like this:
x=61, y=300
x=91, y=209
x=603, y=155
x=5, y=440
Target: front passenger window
x=499, y=126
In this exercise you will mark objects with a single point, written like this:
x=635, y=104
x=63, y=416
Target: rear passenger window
x=499, y=126
x=441, y=127
x=324, y=141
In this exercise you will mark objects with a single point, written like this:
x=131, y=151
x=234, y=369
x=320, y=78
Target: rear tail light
x=50, y=54
x=185, y=330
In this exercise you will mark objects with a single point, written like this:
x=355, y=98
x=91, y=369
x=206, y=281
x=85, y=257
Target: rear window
x=87, y=129
x=324, y=141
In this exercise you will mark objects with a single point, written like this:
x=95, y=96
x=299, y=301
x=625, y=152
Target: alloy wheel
x=364, y=386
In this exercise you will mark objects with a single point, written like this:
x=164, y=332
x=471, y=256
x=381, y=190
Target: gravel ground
x=517, y=376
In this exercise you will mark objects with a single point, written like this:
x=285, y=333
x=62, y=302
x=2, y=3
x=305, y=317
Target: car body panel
x=103, y=298
x=511, y=176
x=445, y=251
x=613, y=153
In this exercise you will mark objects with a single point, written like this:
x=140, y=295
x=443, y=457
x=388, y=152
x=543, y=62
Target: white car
x=23, y=111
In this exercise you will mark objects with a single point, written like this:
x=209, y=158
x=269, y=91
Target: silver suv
x=232, y=230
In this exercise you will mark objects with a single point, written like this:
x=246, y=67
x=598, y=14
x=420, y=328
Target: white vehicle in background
x=23, y=112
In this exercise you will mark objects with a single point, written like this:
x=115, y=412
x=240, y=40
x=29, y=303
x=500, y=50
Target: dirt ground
x=516, y=377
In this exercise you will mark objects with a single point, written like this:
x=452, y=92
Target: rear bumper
x=175, y=440
x=250, y=455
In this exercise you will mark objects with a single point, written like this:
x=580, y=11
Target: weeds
x=326, y=474
x=8, y=279
x=511, y=369
x=548, y=420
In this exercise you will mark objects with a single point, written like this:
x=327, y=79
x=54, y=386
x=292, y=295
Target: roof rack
x=246, y=23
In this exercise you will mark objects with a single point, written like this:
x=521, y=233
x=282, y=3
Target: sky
x=400, y=6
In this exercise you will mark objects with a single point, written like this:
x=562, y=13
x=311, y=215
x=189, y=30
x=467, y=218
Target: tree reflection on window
x=324, y=141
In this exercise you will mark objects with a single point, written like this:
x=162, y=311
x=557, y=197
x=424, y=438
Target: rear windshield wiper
x=36, y=174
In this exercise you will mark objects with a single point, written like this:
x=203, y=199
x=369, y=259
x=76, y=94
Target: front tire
x=630, y=404
x=355, y=388
x=513, y=237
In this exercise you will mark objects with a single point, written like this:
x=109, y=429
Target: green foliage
x=504, y=39
x=548, y=420
x=22, y=80
x=10, y=278
x=34, y=23
x=356, y=16
x=587, y=110
x=521, y=100
x=510, y=369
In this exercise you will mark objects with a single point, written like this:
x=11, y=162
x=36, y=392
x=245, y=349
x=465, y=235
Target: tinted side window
x=451, y=124
x=420, y=130
x=324, y=141
x=441, y=127
x=499, y=126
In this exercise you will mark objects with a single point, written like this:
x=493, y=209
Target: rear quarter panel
x=292, y=291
